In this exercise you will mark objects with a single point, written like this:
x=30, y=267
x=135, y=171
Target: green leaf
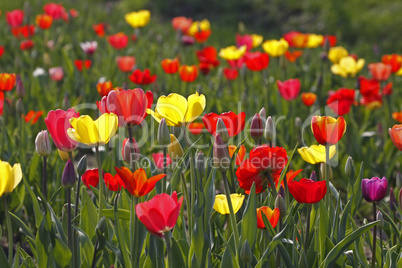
x=61, y=252
x=249, y=222
x=122, y=214
x=178, y=260
x=3, y=259
x=37, y=211
x=341, y=246
x=323, y=230
x=27, y=231
x=89, y=215
x=87, y=248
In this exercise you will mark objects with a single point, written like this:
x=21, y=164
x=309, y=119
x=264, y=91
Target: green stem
x=232, y=215
x=131, y=143
x=4, y=126
x=186, y=197
x=328, y=195
x=169, y=251
x=9, y=232
x=272, y=183
x=278, y=254
x=134, y=233
x=44, y=182
x=69, y=224
x=307, y=226
x=95, y=252
x=374, y=236
x=101, y=183
x=164, y=169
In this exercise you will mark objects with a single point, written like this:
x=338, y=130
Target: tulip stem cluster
x=328, y=196
x=374, y=236
x=307, y=226
x=135, y=232
x=9, y=232
x=69, y=222
x=164, y=169
x=231, y=215
x=98, y=162
x=44, y=182
x=131, y=142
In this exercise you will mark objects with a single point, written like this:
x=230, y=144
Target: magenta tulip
x=289, y=89
x=374, y=189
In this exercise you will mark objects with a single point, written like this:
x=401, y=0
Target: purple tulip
x=374, y=189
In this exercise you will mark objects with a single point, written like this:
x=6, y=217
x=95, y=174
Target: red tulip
x=158, y=159
x=142, y=77
x=33, y=116
x=125, y=63
x=296, y=39
x=43, y=21
x=205, y=68
x=308, y=191
x=257, y=61
x=25, y=31
x=15, y=18
x=244, y=40
x=129, y=105
x=289, y=89
x=7, y=81
x=234, y=123
x=1, y=102
x=292, y=56
x=394, y=60
x=202, y=36
x=272, y=216
x=170, y=66
x=113, y=183
x=230, y=74
x=328, y=130
x=118, y=41
x=26, y=45
x=57, y=123
x=196, y=128
x=81, y=64
x=188, y=73
x=208, y=55
x=104, y=88
x=56, y=11
x=1, y=51
x=237, y=63
x=159, y=215
x=308, y=98
x=380, y=71
x=341, y=100
x=182, y=24
x=99, y=29
x=91, y=178
x=396, y=136
x=330, y=39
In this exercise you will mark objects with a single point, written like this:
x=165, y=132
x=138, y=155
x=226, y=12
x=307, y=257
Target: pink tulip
x=289, y=89
x=56, y=73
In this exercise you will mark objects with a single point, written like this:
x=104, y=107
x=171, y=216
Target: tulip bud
x=270, y=131
x=187, y=40
x=42, y=144
x=101, y=226
x=313, y=176
x=174, y=149
x=66, y=103
x=392, y=199
x=380, y=218
x=282, y=192
x=221, y=155
x=256, y=129
x=222, y=131
x=20, y=108
x=176, y=131
x=82, y=165
x=400, y=199
x=322, y=171
x=163, y=133
x=350, y=167
x=263, y=117
x=68, y=178
x=200, y=163
x=131, y=151
x=20, y=89
x=245, y=253
x=280, y=203
x=398, y=180
x=298, y=122
x=63, y=155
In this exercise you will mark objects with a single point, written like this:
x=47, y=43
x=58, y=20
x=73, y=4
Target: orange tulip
x=170, y=66
x=397, y=116
x=396, y=136
x=137, y=183
x=196, y=128
x=188, y=73
x=292, y=56
x=32, y=116
x=308, y=98
x=104, y=88
x=272, y=216
x=182, y=24
x=394, y=60
x=328, y=130
x=44, y=21
x=380, y=71
x=125, y=63
x=240, y=154
x=7, y=81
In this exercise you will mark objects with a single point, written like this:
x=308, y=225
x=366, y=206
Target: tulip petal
x=196, y=105
x=5, y=174
x=106, y=126
x=173, y=108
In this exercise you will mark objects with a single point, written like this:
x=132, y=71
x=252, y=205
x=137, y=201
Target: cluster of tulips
x=220, y=205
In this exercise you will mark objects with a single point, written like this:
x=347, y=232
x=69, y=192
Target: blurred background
x=366, y=27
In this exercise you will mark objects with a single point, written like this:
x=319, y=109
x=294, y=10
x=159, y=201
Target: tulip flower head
x=347, y=67
x=170, y=66
x=182, y=24
x=234, y=123
x=10, y=177
x=221, y=204
x=188, y=73
x=138, y=19
x=335, y=54
x=15, y=18
x=93, y=133
x=178, y=111
x=374, y=189
x=396, y=136
x=308, y=191
x=316, y=153
x=275, y=48
x=232, y=52
x=328, y=130
x=56, y=73
x=272, y=216
x=125, y=63
x=341, y=100
x=159, y=215
x=241, y=153
x=314, y=40
x=230, y=74
x=257, y=61
x=289, y=89
x=91, y=178
x=7, y=81
x=394, y=60
x=43, y=21
x=118, y=41
x=308, y=98
x=89, y=47
x=42, y=144
x=292, y=56
x=82, y=64
x=142, y=77
x=380, y=71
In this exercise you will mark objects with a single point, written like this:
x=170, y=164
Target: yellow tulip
x=335, y=54
x=10, y=177
x=257, y=39
x=347, y=66
x=314, y=40
x=138, y=19
x=63, y=155
x=232, y=52
x=93, y=133
x=221, y=203
x=316, y=153
x=275, y=48
x=399, y=72
x=174, y=148
x=178, y=111
x=199, y=26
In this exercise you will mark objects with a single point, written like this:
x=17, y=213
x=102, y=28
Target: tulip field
x=127, y=140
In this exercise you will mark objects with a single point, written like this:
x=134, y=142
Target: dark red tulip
x=308, y=191
x=341, y=101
